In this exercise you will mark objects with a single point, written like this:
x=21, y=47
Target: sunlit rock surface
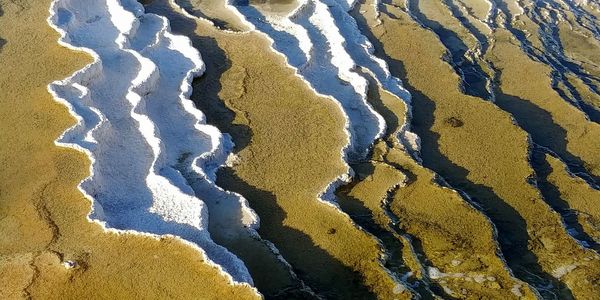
x=307, y=149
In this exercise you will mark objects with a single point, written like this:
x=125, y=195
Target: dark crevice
x=513, y=251
x=512, y=236
x=575, y=164
x=539, y=124
x=489, y=22
x=392, y=235
x=392, y=246
x=554, y=55
x=581, y=14
x=340, y=281
x=512, y=228
x=44, y=214
x=416, y=247
x=474, y=80
x=457, y=14
x=363, y=216
x=553, y=197
x=558, y=70
x=391, y=119
x=2, y=41
x=206, y=97
x=189, y=7
x=36, y=273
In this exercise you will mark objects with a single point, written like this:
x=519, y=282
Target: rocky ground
x=390, y=149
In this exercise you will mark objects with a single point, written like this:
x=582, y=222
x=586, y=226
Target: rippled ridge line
x=153, y=157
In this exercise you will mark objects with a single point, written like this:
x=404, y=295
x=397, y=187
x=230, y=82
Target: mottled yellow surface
x=43, y=215
x=474, y=203
x=289, y=143
x=486, y=153
x=576, y=195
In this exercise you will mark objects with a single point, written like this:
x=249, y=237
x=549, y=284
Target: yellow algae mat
x=318, y=149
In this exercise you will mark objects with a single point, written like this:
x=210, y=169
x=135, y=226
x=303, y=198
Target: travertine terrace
x=300, y=149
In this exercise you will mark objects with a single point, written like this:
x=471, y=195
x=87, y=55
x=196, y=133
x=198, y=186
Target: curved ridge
x=553, y=55
x=149, y=146
x=545, y=15
x=554, y=58
x=583, y=17
x=462, y=58
x=532, y=182
x=321, y=41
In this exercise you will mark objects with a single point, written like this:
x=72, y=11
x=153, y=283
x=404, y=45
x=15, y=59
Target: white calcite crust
x=323, y=43
x=153, y=157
